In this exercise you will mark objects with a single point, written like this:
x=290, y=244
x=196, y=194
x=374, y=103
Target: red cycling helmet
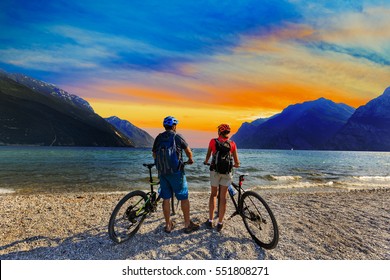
x=223, y=128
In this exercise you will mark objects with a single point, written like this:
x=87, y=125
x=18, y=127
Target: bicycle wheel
x=259, y=220
x=127, y=217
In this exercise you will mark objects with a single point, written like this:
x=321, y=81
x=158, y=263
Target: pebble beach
x=314, y=225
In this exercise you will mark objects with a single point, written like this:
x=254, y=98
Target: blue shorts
x=174, y=182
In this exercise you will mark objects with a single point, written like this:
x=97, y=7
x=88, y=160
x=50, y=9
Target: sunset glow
x=204, y=62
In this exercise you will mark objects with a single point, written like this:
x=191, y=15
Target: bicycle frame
x=240, y=191
x=152, y=193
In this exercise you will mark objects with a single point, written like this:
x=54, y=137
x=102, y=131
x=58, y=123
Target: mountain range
x=47, y=89
x=322, y=125
x=33, y=112
x=140, y=137
x=368, y=129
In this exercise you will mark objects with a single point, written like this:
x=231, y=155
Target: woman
x=223, y=152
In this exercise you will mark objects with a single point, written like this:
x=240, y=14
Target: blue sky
x=144, y=35
x=205, y=62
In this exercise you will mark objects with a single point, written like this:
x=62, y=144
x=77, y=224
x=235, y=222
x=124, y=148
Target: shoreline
x=337, y=225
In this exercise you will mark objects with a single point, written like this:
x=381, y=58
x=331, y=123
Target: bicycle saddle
x=149, y=165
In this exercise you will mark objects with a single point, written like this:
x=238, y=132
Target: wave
x=270, y=177
x=348, y=186
x=372, y=178
x=6, y=191
x=351, y=187
x=367, y=183
x=296, y=185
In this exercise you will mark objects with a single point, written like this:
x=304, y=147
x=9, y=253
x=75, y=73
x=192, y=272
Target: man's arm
x=155, y=147
x=189, y=155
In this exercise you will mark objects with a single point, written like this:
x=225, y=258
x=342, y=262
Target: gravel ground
x=338, y=225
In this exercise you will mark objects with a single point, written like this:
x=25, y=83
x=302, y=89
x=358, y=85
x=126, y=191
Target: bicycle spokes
x=132, y=213
x=128, y=216
x=253, y=215
x=259, y=220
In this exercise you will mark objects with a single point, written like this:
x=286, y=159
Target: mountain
x=368, y=129
x=248, y=129
x=47, y=89
x=140, y=137
x=29, y=117
x=304, y=126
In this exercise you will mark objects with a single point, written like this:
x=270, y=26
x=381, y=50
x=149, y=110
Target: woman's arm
x=207, y=156
x=235, y=158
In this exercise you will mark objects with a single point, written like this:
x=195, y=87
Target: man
x=171, y=172
x=224, y=151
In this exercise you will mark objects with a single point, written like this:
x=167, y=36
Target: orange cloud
x=150, y=116
x=259, y=78
x=270, y=42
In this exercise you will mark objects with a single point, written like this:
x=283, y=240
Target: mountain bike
x=257, y=216
x=132, y=209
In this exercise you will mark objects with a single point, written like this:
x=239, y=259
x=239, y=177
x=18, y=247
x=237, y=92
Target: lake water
x=70, y=169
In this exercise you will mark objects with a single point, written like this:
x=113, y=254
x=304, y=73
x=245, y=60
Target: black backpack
x=167, y=160
x=222, y=161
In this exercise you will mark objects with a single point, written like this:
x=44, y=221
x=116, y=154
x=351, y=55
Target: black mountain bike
x=256, y=214
x=131, y=211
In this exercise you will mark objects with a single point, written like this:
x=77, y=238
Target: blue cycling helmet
x=170, y=121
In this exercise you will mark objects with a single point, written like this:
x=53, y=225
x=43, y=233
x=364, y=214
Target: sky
x=205, y=62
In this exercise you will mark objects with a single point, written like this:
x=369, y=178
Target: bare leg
x=185, y=207
x=222, y=203
x=212, y=202
x=166, y=205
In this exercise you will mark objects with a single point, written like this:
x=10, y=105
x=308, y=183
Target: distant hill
x=140, y=137
x=247, y=130
x=304, y=126
x=31, y=117
x=47, y=89
x=368, y=129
